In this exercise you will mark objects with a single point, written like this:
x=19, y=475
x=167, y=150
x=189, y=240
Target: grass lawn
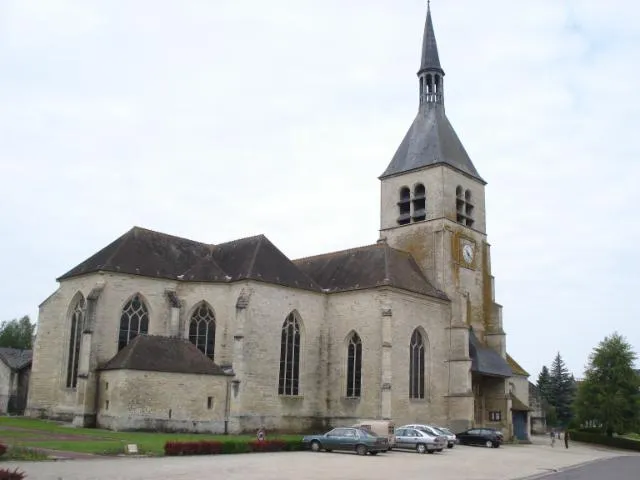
x=56, y=436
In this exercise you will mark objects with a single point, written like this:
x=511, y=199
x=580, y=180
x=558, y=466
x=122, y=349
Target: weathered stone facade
x=384, y=331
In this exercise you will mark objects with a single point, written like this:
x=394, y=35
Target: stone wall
x=136, y=400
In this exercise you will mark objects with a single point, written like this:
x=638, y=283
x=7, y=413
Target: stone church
x=160, y=332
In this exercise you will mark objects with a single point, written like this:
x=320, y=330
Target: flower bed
x=230, y=446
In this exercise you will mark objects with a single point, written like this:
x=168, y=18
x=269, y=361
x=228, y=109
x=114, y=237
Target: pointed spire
x=430, y=57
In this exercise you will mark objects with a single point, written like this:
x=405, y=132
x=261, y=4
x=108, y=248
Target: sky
x=216, y=120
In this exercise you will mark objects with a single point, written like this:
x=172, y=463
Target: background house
x=15, y=368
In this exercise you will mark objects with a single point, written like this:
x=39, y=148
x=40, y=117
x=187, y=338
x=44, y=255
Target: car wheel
x=361, y=450
x=430, y=451
x=438, y=449
x=450, y=446
x=496, y=445
x=315, y=446
x=489, y=444
x=421, y=448
x=373, y=453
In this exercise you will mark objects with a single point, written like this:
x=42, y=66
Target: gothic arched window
x=75, y=336
x=416, y=365
x=134, y=321
x=354, y=366
x=289, y=378
x=202, y=329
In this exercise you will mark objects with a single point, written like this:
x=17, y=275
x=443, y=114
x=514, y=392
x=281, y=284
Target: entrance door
x=520, y=425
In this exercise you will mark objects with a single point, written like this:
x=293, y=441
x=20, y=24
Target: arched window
x=404, y=206
x=75, y=336
x=419, y=203
x=354, y=366
x=464, y=207
x=289, y=378
x=416, y=365
x=133, y=321
x=202, y=329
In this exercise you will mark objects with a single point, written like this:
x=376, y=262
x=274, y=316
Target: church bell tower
x=433, y=206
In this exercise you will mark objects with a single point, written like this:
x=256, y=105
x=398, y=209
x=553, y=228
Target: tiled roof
x=154, y=254
x=15, y=358
x=153, y=353
x=515, y=367
x=367, y=267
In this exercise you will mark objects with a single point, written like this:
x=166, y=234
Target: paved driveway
x=461, y=463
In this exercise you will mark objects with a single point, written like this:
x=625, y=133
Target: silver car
x=418, y=440
x=452, y=440
x=440, y=439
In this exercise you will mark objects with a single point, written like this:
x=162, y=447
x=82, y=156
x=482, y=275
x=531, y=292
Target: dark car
x=489, y=437
x=351, y=439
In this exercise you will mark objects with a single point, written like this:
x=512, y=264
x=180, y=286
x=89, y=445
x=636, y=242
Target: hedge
x=618, y=442
x=230, y=446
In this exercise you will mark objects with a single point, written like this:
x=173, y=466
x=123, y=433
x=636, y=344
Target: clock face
x=467, y=253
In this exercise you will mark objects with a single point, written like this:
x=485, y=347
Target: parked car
x=451, y=437
x=381, y=428
x=418, y=440
x=498, y=433
x=441, y=440
x=489, y=437
x=349, y=439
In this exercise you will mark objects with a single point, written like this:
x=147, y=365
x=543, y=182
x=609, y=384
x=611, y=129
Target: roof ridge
x=158, y=232
x=347, y=250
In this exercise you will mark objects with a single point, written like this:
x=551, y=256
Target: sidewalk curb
x=553, y=471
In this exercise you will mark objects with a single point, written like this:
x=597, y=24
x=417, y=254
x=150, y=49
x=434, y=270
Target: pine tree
x=609, y=395
x=561, y=390
x=544, y=379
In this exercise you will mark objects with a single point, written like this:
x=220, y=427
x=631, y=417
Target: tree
x=609, y=396
x=17, y=333
x=561, y=390
x=544, y=380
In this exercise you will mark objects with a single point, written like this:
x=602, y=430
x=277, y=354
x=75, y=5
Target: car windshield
x=366, y=433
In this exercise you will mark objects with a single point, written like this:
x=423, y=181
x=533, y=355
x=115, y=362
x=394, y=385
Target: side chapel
x=160, y=332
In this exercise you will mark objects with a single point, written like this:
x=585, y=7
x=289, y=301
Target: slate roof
x=153, y=353
x=145, y=252
x=486, y=360
x=15, y=358
x=431, y=140
x=519, y=405
x=367, y=267
x=430, y=58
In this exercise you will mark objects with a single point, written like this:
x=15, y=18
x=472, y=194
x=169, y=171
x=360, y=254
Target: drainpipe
x=227, y=407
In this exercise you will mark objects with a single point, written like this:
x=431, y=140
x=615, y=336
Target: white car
x=451, y=437
x=439, y=439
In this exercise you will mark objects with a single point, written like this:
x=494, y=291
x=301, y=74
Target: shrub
x=11, y=474
x=230, y=446
x=617, y=442
x=3, y=449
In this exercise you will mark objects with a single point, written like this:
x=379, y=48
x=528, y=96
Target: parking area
x=462, y=463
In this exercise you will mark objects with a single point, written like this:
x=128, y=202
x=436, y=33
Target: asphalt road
x=618, y=468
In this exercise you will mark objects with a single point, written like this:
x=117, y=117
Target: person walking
x=566, y=438
x=553, y=438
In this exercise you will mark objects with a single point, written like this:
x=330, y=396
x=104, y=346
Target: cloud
x=216, y=120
